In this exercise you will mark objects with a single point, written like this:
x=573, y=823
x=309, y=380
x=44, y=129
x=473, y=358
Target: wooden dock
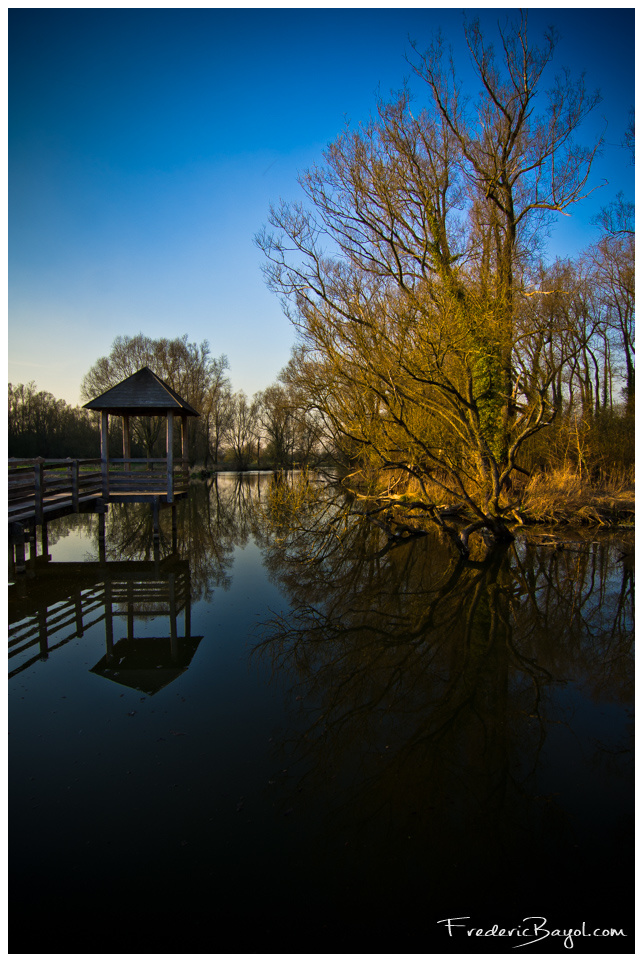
x=40, y=490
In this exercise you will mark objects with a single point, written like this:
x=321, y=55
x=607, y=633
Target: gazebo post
x=170, y=456
x=126, y=443
x=104, y=452
x=184, y=441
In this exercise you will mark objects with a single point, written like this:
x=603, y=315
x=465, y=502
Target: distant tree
x=188, y=368
x=276, y=416
x=243, y=432
x=218, y=416
x=613, y=275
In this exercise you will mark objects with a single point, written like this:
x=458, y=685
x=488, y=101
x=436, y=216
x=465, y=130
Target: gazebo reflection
x=144, y=663
x=62, y=600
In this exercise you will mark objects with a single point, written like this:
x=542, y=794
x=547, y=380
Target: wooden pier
x=40, y=490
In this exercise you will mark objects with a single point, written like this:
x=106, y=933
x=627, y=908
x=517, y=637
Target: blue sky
x=146, y=145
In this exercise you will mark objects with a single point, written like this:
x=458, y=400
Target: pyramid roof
x=141, y=393
x=147, y=664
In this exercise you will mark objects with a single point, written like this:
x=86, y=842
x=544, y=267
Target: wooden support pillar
x=174, y=528
x=126, y=442
x=184, y=442
x=44, y=541
x=39, y=488
x=170, y=456
x=102, y=555
x=156, y=529
x=187, y=614
x=104, y=452
x=33, y=546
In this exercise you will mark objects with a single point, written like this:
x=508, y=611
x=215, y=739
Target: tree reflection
x=203, y=528
x=430, y=687
x=138, y=576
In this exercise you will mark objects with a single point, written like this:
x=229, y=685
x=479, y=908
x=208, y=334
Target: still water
x=249, y=738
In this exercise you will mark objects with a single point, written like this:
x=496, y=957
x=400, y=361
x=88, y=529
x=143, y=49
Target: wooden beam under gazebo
x=143, y=394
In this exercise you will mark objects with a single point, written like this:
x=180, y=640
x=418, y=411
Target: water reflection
x=138, y=578
x=417, y=738
x=464, y=708
x=72, y=598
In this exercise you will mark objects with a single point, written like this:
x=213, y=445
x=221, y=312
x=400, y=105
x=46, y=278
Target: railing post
x=39, y=484
x=78, y=607
x=74, y=485
x=42, y=632
x=109, y=622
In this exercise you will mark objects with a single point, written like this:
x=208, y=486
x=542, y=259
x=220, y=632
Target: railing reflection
x=139, y=575
x=78, y=596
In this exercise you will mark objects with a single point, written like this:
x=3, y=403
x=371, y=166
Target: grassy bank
x=564, y=497
x=557, y=497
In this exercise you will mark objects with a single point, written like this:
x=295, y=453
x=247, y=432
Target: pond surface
x=244, y=738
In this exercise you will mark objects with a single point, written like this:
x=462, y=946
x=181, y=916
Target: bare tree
x=243, y=431
x=407, y=271
x=614, y=276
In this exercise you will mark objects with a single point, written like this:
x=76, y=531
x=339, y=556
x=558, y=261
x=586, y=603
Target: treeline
x=41, y=425
x=276, y=428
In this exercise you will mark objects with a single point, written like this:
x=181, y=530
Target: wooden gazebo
x=143, y=394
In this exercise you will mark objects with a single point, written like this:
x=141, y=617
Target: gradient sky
x=146, y=145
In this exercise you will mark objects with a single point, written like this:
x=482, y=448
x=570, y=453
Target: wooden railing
x=38, y=487
x=145, y=475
